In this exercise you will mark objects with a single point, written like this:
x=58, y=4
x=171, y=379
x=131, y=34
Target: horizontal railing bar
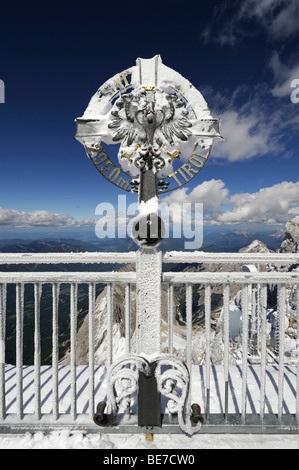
x=130, y=257
x=242, y=258
x=67, y=258
x=67, y=277
x=216, y=425
x=231, y=277
x=172, y=277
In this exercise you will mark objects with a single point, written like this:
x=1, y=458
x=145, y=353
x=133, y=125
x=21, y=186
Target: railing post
x=128, y=319
x=91, y=332
x=148, y=327
x=74, y=295
x=263, y=310
x=208, y=347
x=297, y=345
x=244, y=349
x=189, y=294
x=281, y=310
x=170, y=317
x=110, y=324
x=2, y=349
x=55, y=349
x=226, y=291
x=19, y=347
x=37, y=349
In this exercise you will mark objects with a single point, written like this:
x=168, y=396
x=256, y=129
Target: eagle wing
x=125, y=123
x=175, y=123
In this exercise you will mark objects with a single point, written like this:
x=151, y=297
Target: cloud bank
x=272, y=205
x=41, y=218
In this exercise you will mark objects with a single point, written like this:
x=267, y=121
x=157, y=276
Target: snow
x=149, y=207
x=217, y=388
x=78, y=440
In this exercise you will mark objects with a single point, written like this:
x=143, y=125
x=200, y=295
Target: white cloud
x=245, y=136
x=275, y=204
x=252, y=122
x=212, y=194
x=278, y=18
x=272, y=205
x=283, y=75
x=286, y=22
x=12, y=217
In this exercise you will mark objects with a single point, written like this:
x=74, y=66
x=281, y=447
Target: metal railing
x=212, y=381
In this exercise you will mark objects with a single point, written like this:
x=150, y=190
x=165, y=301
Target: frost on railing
x=251, y=332
x=241, y=352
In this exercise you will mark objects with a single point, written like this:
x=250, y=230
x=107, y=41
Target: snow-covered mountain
x=255, y=247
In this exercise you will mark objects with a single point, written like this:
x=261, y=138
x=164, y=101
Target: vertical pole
x=281, y=309
x=55, y=349
x=254, y=324
x=37, y=350
x=297, y=339
x=263, y=311
x=128, y=334
x=149, y=273
x=19, y=347
x=91, y=328
x=170, y=318
x=148, y=316
x=208, y=352
x=109, y=324
x=128, y=318
x=73, y=350
x=189, y=343
x=2, y=350
x=226, y=345
x=244, y=349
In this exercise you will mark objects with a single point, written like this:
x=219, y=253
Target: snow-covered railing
x=168, y=257
x=74, y=279
x=233, y=258
x=286, y=375
x=262, y=279
x=67, y=258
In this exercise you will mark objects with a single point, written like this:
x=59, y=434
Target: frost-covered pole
x=149, y=272
x=281, y=311
x=297, y=342
x=2, y=349
x=148, y=318
x=263, y=310
x=147, y=232
x=158, y=118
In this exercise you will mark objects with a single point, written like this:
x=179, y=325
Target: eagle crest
x=149, y=117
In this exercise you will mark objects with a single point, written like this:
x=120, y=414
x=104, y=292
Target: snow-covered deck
x=84, y=413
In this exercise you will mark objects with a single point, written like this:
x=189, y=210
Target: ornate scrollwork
x=122, y=383
x=173, y=383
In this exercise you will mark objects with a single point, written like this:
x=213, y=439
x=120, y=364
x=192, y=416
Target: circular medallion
x=148, y=106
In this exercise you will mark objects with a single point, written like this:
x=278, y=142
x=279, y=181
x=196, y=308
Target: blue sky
x=242, y=55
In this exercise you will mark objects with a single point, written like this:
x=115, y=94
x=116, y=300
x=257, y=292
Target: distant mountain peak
x=256, y=246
